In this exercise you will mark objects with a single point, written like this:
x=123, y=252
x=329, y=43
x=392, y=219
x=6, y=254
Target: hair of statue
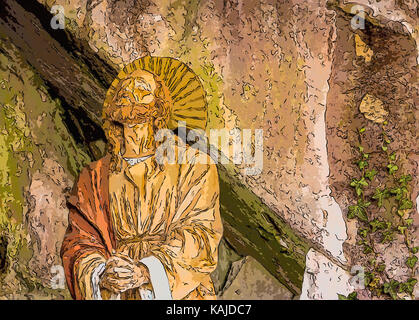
x=156, y=112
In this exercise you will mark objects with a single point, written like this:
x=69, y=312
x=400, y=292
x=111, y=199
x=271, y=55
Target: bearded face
x=135, y=100
x=139, y=108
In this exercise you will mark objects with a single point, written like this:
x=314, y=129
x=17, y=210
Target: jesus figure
x=140, y=229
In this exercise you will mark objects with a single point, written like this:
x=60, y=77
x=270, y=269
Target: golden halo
x=186, y=91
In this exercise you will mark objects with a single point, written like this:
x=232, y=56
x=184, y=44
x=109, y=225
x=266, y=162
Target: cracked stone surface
x=295, y=69
x=249, y=280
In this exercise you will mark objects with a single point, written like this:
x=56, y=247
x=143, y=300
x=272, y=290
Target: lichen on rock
x=373, y=109
x=33, y=140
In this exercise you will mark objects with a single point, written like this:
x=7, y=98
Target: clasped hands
x=122, y=273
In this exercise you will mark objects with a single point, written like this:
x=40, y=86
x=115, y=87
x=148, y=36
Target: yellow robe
x=170, y=212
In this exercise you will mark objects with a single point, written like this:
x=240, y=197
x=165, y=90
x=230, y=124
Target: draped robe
x=168, y=212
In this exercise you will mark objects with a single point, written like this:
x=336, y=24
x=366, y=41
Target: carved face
x=138, y=88
x=134, y=101
x=140, y=106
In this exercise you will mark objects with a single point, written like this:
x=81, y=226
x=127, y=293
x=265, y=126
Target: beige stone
x=362, y=49
x=253, y=282
x=373, y=109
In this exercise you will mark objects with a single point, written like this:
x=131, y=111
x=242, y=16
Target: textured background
x=296, y=69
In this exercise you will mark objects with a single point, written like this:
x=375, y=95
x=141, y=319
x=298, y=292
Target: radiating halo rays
x=186, y=91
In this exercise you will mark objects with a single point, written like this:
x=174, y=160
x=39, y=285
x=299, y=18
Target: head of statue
x=139, y=108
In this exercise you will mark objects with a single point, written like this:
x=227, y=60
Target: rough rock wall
x=39, y=161
x=374, y=79
x=275, y=65
x=56, y=55
x=265, y=65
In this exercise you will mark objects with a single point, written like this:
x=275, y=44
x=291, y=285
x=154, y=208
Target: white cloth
x=97, y=272
x=158, y=276
x=158, y=279
x=133, y=161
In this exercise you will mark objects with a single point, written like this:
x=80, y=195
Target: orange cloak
x=189, y=249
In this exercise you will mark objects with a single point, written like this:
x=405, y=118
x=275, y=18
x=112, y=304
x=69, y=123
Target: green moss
x=194, y=49
x=191, y=9
x=254, y=230
x=31, y=129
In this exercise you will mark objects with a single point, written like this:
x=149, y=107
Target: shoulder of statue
x=98, y=165
x=185, y=148
x=99, y=168
x=93, y=178
x=201, y=163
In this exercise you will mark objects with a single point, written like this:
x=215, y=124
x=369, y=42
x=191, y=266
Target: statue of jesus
x=140, y=229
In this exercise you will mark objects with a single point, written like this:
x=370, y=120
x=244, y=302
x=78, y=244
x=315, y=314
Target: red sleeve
x=80, y=240
x=85, y=232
